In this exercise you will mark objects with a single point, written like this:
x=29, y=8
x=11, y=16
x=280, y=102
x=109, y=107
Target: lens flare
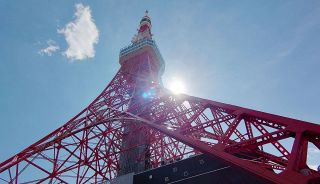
x=177, y=86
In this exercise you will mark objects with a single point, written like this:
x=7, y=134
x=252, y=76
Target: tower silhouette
x=135, y=124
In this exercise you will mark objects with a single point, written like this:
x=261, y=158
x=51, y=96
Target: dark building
x=200, y=169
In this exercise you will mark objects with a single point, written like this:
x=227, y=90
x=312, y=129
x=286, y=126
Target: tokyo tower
x=136, y=126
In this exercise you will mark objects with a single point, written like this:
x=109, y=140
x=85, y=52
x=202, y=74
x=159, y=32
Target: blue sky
x=262, y=55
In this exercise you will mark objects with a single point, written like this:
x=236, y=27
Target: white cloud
x=81, y=34
x=52, y=47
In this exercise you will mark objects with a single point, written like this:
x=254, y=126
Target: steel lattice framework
x=88, y=148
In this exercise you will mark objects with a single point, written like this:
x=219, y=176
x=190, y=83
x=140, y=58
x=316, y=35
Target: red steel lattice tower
x=135, y=124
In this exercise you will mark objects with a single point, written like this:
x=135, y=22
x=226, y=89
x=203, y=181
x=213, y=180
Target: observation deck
x=140, y=46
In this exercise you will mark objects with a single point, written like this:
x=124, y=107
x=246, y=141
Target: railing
x=135, y=46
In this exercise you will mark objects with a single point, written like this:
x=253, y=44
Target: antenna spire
x=144, y=30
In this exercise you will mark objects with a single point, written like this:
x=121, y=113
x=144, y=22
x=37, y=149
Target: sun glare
x=176, y=86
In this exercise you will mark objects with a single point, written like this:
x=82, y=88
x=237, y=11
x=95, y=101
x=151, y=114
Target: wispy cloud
x=81, y=34
x=50, y=49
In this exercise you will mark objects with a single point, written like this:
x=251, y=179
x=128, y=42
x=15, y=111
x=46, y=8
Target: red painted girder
x=107, y=116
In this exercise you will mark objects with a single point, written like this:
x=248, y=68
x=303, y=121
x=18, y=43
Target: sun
x=177, y=86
